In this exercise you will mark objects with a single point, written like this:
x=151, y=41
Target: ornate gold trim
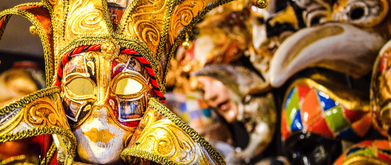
x=37, y=127
x=153, y=103
x=45, y=130
x=125, y=18
x=149, y=156
x=188, y=29
x=49, y=154
x=15, y=160
x=106, y=16
x=28, y=99
x=6, y=20
x=166, y=24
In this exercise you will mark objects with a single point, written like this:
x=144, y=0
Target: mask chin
x=100, y=140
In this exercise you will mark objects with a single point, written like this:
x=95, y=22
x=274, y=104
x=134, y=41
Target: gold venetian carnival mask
x=104, y=99
x=106, y=63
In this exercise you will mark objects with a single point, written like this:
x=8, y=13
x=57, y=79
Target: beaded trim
x=36, y=131
x=185, y=127
x=28, y=99
x=49, y=154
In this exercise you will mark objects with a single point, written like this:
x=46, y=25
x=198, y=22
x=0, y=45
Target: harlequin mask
x=317, y=114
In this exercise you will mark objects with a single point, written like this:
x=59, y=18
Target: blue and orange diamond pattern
x=307, y=109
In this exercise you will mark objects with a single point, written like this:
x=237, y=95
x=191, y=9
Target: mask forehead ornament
x=107, y=62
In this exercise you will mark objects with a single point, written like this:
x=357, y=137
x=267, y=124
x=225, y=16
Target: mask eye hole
x=357, y=13
x=128, y=86
x=81, y=86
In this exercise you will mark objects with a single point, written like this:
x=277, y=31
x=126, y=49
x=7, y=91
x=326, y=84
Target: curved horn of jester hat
x=100, y=30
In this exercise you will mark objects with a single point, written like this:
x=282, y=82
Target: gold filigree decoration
x=144, y=27
x=86, y=17
x=71, y=140
x=164, y=138
x=182, y=15
x=20, y=159
x=146, y=22
x=110, y=49
x=17, y=106
x=49, y=154
x=43, y=112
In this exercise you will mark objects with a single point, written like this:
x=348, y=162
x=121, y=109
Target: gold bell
x=262, y=3
x=33, y=30
x=187, y=44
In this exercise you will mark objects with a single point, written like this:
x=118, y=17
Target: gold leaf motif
x=43, y=112
x=164, y=138
x=150, y=33
x=182, y=16
x=85, y=17
x=146, y=22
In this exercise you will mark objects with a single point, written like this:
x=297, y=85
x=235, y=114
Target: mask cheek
x=99, y=141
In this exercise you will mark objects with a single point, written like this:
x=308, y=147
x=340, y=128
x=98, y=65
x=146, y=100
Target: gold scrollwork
x=167, y=141
x=164, y=138
x=182, y=15
x=85, y=17
x=149, y=33
x=146, y=22
x=42, y=112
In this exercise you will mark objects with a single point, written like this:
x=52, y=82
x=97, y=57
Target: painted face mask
x=230, y=91
x=104, y=100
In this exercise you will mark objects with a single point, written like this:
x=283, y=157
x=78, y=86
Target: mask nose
x=100, y=111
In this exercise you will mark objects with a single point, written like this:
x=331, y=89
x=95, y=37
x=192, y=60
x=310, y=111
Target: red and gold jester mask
x=106, y=63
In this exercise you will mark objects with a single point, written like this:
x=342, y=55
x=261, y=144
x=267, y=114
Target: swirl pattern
x=146, y=22
x=159, y=135
x=85, y=17
x=43, y=112
x=182, y=15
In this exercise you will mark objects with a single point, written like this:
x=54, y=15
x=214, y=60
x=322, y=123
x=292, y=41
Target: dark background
x=17, y=44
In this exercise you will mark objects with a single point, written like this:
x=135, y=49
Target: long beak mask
x=336, y=46
x=348, y=44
